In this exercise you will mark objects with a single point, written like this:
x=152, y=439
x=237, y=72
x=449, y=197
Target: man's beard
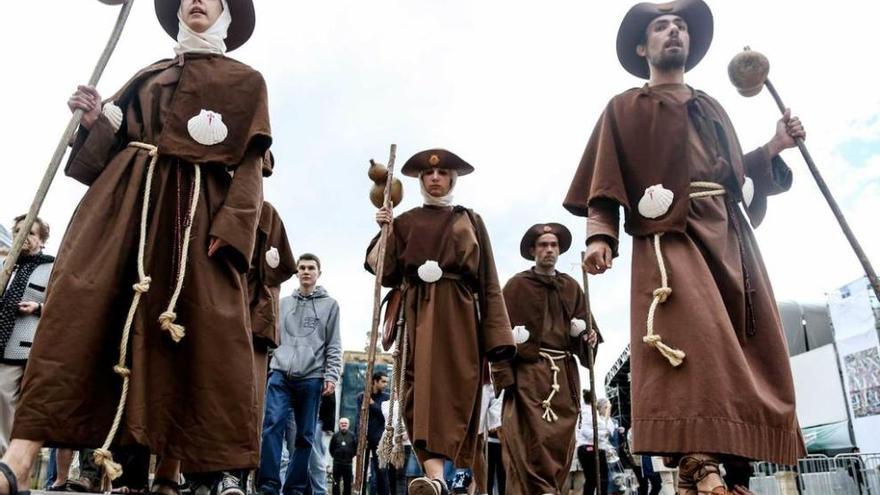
x=667, y=62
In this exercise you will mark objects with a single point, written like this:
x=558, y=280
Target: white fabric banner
x=858, y=346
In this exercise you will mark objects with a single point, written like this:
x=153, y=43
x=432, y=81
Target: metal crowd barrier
x=844, y=474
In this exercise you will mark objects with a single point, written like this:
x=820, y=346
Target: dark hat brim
x=563, y=236
x=632, y=31
x=424, y=160
x=240, y=30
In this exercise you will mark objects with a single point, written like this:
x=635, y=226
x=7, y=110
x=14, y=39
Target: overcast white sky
x=514, y=87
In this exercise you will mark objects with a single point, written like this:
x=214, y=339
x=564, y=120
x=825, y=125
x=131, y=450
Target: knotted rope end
x=166, y=320
x=674, y=356
x=104, y=458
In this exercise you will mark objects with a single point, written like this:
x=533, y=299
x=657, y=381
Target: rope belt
x=674, y=356
x=103, y=456
x=552, y=355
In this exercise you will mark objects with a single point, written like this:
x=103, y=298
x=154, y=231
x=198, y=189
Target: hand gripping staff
x=590, y=365
x=374, y=329
x=748, y=72
x=61, y=149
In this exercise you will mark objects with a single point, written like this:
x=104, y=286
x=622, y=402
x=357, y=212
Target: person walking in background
x=343, y=449
x=305, y=366
x=20, y=310
x=379, y=484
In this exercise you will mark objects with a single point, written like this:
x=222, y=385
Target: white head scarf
x=211, y=41
x=443, y=200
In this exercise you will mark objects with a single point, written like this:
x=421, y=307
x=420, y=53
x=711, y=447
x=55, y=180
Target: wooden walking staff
x=374, y=329
x=591, y=367
x=61, y=149
x=748, y=72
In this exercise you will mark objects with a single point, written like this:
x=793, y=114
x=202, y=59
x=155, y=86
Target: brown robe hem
x=717, y=436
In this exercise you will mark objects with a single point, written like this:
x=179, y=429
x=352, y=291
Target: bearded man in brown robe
x=710, y=375
x=440, y=258
x=548, y=312
x=146, y=335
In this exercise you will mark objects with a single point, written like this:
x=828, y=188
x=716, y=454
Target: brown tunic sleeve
x=498, y=341
x=91, y=150
x=598, y=175
x=393, y=275
x=603, y=222
x=236, y=221
x=770, y=175
x=276, y=236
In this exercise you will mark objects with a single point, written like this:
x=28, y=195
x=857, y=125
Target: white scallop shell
x=577, y=326
x=113, y=114
x=430, y=271
x=656, y=201
x=520, y=334
x=273, y=259
x=748, y=190
x=207, y=128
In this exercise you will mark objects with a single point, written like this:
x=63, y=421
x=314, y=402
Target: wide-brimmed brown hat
x=563, y=236
x=435, y=158
x=632, y=32
x=240, y=30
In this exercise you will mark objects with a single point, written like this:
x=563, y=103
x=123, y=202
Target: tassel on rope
x=550, y=415
x=386, y=443
x=398, y=453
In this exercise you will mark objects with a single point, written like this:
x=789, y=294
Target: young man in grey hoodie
x=304, y=367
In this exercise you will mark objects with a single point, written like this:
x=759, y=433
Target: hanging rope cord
x=102, y=456
x=552, y=355
x=661, y=294
x=391, y=449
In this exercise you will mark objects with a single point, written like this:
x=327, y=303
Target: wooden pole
x=592, y=368
x=360, y=475
x=60, y=150
x=829, y=198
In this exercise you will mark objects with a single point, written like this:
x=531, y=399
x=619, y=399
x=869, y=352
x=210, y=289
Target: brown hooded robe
x=537, y=452
x=734, y=392
x=451, y=324
x=195, y=400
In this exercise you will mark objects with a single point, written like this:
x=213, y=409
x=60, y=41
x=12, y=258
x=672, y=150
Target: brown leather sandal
x=696, y=472
x=11, y=480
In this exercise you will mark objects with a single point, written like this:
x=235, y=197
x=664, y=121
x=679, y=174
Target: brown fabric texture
x=264, y=281
x=538, y=453
x=626, y=155
x=447, y=341
x=734, y=392
x=196, y=400
x=198, y=82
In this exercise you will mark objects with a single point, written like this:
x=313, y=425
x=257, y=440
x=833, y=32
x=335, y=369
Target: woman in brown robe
x=711, y=380
x=541, y=410
x=439, y=255
x=174, y=165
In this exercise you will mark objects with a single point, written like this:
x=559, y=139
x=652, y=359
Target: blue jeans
x=317, y=461
x=283, y=396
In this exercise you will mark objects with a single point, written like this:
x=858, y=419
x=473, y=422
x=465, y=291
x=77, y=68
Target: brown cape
x=734, y=393
x=627, y=154
x=196, y=400
x=447, y=340
x=538, y=453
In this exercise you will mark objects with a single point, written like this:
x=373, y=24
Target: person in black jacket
x=343, y=448
x=375, y=426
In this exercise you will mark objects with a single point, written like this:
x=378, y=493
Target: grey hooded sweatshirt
x=310, y=343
